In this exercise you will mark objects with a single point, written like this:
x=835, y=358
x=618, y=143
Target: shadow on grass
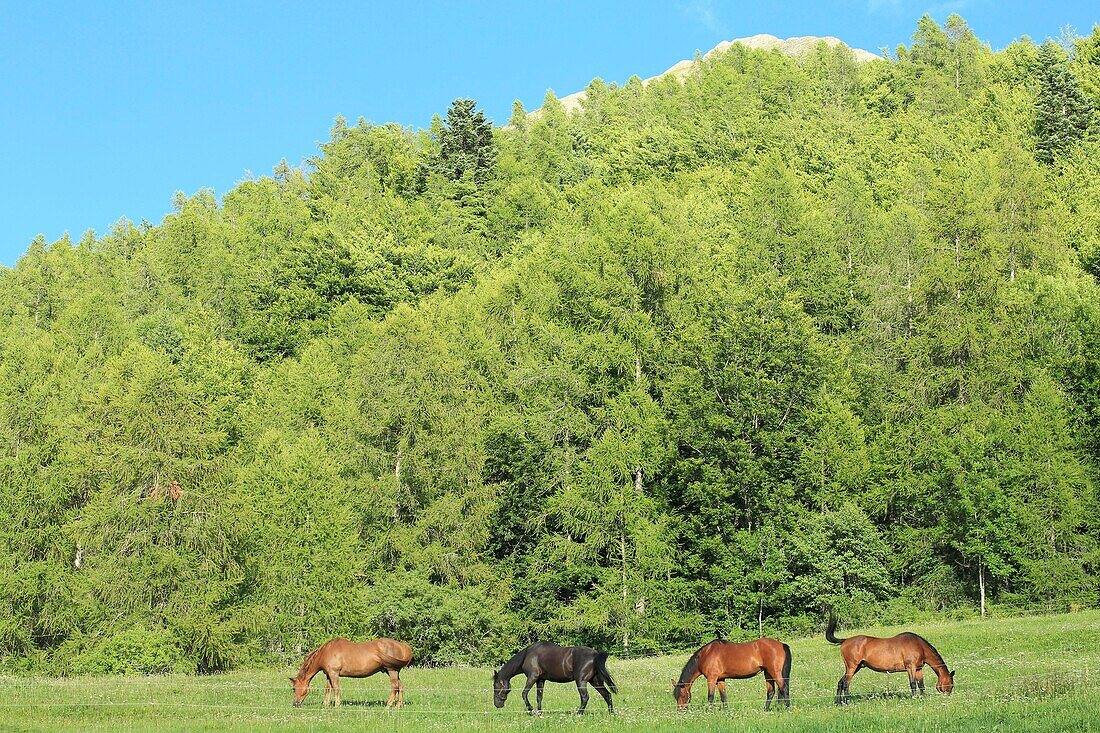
x=372, y=704
x=882, y=695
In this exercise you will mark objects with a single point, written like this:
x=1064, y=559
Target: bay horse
x=543, y=662
x=721, y=660
x=342, y=658
x=906, y=651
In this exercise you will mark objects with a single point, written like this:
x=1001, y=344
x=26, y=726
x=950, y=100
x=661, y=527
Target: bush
x=442, y=624
x=136, y=650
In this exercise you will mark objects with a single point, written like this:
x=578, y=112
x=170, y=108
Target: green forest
x=710, y=355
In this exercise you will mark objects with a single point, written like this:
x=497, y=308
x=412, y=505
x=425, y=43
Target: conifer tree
x=466, y=143
x=1062, y=112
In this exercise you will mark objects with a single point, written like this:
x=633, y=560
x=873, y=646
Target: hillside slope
x=706, y=356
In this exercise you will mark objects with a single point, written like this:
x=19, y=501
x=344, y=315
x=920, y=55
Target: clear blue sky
x=106, y=109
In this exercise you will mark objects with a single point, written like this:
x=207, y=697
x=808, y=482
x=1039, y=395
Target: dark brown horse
x=543, y=662
x=721, y=660
x=342, y=658
x=904, y=652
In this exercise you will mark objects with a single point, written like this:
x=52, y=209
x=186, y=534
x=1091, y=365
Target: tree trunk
x=622, y=558
x=958, y=252
x=981, y=585
x=397, y=477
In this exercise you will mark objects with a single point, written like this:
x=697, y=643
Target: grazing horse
x=907, y=652
x=342, y=658
x=721, y=660
x=542, y=662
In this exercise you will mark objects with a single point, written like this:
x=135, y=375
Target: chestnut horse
x=907, y=652
x=721, y=660
x=342, y=658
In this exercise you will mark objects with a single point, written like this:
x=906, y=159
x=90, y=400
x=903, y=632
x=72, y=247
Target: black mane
x=692, y=664
x=935, y=652
x=511, y=668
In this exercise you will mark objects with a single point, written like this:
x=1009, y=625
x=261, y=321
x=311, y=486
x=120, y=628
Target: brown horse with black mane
x=721, y=660
x=342, y=658
x=904, y=652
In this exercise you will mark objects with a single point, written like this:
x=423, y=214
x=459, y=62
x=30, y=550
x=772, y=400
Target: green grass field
x=1034, y=674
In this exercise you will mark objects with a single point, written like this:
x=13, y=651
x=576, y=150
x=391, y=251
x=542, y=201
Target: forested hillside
x=711, y=354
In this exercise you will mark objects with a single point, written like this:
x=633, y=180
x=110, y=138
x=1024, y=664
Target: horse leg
x=582, y=689
x=711, y=684
x=911, y=670
x=771, y=692
x=328, y=690
x=843, y=694
x=722, y=692
x=395, y=687
x=848, y=683
x=538, y=694
x=336, y=687
x=606, y=694
x=782, y=685
x=526, y=690
x=920, y=680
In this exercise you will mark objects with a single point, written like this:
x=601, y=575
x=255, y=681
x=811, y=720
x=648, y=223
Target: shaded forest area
x=710, y=355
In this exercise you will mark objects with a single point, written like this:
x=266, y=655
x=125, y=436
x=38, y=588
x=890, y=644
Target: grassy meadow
x=1035, y=674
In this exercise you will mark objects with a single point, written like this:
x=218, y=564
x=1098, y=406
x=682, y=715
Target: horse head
x=501, y=688
x=946, y=682
x=300, y=688
x=681, y=693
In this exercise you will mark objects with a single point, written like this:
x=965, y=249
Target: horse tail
x=787, y=674
x=602, y=675
x=832, y=638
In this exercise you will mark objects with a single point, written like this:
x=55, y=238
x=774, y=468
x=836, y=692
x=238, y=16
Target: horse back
x=885, y=654
x=728, y=659
x=559, y=663
x=362, y=659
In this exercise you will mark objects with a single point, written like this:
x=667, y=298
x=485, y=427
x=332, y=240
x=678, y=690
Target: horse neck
x=311, y=665
x=512, y=666
x=690, y=672
x=933, y=659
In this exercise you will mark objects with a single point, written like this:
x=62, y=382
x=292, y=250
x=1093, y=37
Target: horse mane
x=511, y=668
x=692, y=665
x=304, y=669
x=689, y=669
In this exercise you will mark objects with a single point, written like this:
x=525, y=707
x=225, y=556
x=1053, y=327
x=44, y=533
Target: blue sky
x=107, y=109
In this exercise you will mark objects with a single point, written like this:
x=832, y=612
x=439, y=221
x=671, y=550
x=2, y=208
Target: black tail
x=786, y=697
x=832, y=638
x=602, y=675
